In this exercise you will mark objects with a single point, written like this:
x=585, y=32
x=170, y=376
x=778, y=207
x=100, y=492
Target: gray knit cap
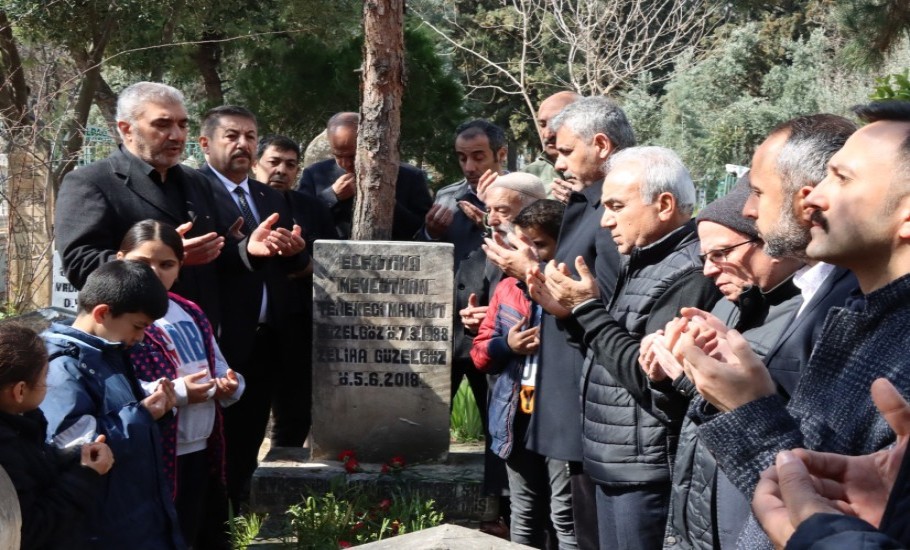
x=527, y=184
x=728, y=210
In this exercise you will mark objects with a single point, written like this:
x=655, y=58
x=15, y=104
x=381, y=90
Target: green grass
x=466, y=422
x=350, y=516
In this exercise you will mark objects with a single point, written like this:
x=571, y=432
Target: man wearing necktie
x=254, y=283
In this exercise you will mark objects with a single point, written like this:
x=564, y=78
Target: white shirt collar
x=229, y=185
x=809, y=279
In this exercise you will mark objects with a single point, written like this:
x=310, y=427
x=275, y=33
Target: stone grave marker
x=63, y=294
x=382, y=349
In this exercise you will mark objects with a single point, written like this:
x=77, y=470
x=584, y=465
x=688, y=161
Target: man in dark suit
x=332, y=182
x=587, y=133
x=278, y=164
x=255, y=287
x=142, y=179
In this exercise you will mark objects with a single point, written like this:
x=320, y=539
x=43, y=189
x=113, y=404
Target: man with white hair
x=508, y=195
x=142, y=179
x=629, y=425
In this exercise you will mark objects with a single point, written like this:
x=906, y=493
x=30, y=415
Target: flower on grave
x=346, y=455
x=385, y=504
x=351, y=466
x=344, y=544
x=358, y=526
x=394, y=466
x=395, y=525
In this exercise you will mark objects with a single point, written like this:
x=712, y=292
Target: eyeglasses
x=720, y=255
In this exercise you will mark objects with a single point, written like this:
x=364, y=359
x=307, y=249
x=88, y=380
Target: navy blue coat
x=836, y=532
x=91, y=377
x=54, y=491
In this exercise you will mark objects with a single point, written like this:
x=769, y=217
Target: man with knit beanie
x=858, y=221
x=706, y=511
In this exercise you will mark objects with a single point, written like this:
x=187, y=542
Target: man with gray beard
x=786, y=168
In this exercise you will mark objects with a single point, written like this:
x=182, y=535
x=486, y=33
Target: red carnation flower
x=344, y=544
x=346, y=455
x=397, y=462
x=351, y=465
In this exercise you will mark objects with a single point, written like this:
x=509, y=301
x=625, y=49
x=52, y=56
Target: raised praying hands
x=266, y=242
x=802, y=483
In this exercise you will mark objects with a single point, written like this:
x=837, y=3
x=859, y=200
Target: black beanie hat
x=728, y=210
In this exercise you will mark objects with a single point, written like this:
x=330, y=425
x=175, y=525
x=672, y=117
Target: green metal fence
x=99, y=144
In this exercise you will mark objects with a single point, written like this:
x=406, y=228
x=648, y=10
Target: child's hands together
x=226, y=386
x=97, y=456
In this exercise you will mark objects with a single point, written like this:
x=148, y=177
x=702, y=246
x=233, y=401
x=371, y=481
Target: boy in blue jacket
x=507, y=344
x=92, y=391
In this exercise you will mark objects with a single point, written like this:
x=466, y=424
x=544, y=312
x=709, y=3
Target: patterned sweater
x=831, y=409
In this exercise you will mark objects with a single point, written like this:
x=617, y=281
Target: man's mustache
x=818, y=218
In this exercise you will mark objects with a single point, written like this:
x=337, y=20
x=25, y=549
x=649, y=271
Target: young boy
x=507, y=344
x=92, y=391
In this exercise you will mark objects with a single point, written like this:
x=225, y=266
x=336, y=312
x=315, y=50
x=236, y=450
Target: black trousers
x=293, y=398
x=245, y=421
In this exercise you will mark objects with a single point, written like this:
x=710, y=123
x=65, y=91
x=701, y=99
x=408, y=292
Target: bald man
x=332, y=182
x=544, y=167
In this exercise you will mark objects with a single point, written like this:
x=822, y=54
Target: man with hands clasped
x=859, y=221
x=648, y=198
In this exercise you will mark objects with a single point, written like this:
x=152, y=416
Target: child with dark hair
x=507, y=344
x=180, y=346
x=56, y=488
x=92, y=391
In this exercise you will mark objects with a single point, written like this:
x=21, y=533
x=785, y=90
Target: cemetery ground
x=301, y=503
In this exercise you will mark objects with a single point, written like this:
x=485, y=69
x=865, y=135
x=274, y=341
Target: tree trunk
x=208, y=57
x=29, y=240
x=106, y=101
x=380, y=119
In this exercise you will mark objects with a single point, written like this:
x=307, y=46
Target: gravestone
x=10, y=514
x=382, y=348
x=63, y=294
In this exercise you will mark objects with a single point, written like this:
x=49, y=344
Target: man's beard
x=789, y=239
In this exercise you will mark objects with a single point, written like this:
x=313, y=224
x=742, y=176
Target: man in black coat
x=142, y=179
x=332, y=182
x=277, y=164
x=254, y=283
x=587, y=133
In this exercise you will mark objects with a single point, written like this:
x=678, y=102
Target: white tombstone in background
x=63, y=294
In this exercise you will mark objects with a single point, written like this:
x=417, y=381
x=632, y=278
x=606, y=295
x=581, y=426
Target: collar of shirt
x=809, y=279
x=229, y=185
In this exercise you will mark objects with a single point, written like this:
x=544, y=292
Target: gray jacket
x=864, y=340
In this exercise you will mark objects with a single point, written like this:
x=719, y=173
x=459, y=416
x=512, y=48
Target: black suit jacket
x=787, y=359
x=98, y=203
x=555, y=429
x=242, y=276
x=412, y=198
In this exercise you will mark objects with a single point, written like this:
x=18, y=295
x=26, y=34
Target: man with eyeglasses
x=760, y=300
